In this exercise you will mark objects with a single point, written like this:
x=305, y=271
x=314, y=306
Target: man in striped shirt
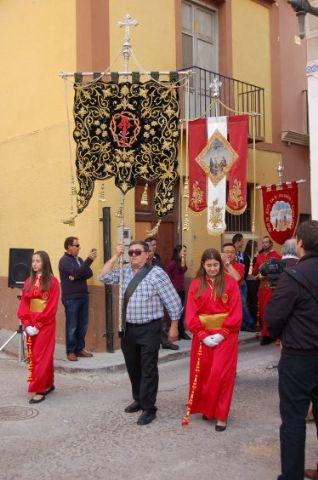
x=145, y=309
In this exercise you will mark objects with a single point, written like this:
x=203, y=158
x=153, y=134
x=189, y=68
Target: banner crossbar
x=108, y=74
x=302, y=180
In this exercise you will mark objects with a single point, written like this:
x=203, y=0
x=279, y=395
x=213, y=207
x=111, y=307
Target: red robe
x=218, y=364
x=42, y=345
x=264, y=292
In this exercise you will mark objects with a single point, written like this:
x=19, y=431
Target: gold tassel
x=144, y=196
x=154, y=230
x=186, y=418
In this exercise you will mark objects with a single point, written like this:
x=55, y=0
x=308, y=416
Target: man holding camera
x=291, y=316
x=74, y=273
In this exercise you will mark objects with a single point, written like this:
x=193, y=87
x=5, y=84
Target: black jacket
x=68, y=266
x=292, y=312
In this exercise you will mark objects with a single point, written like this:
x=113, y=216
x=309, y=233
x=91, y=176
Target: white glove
x=31, y=330
x=217, y=338
x=208, y=341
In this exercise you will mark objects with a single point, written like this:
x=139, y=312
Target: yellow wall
x=153, y=39
x=35, y=191
x=251, y=50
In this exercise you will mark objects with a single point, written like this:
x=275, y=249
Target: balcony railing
x=239, y=97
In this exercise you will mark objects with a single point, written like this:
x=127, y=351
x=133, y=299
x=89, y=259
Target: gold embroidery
x=197, y=196
x=235, y=194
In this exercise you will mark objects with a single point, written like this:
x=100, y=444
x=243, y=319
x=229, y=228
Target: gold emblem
x=235, y=194
x=216, y=214
x=197, y=196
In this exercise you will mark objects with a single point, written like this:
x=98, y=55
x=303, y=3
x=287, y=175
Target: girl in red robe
x=37, y=312
x=213, y=315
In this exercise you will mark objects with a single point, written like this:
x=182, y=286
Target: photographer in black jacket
x=291, y=316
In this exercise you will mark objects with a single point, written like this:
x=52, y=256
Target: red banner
x=197, y=176
x=238, y=136
x=280, y=210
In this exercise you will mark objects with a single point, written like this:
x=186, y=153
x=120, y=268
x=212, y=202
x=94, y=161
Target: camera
x=272, y=270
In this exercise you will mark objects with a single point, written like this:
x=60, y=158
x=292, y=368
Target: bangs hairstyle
x=46, y=272
x=219, y=282
x=142, y=243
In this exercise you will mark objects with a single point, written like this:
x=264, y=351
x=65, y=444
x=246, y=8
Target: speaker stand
x=21, y=335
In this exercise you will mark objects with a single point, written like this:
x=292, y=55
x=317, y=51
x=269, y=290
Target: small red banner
x=280, y=210
x=238, y=136
x=197, y=176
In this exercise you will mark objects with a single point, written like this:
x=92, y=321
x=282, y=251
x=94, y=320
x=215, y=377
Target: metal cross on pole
x=126, y=49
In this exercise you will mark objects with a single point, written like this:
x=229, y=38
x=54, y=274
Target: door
x=200, y=49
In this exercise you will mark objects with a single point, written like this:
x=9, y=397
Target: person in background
x=74, y=272
x=289, y=253
x=176, y=270
x=236, y=270
x=238, y=242
x=155, y=259
x=291, y=316
x=252, y=283
x=147, y=289
x=265, y=291
x=213, y=315
x=37, y=311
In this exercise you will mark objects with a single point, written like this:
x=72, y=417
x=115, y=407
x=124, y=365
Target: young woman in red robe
x=37, y=312
x=213, y=315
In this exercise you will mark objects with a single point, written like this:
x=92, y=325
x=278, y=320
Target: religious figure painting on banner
x=217, y=157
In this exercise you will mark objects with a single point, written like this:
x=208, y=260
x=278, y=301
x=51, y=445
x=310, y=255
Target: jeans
x=247, y=321
x=298, y=384
x=76, y=311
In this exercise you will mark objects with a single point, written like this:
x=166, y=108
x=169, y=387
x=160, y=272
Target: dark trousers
x=140, y=346
x=76, y=311
x=298, y=384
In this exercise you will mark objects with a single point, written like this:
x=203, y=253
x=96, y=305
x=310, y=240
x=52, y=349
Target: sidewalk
x=103, y=362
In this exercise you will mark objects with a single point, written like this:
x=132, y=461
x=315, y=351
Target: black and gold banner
x=127, y=131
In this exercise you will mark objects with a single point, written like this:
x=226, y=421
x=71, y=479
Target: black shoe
x=146, y=417
x=133, y=407
x=170, y=346
x=266, y=341
x=184, y=336
x=204, y=417
x=248, y=329
x=37, y=398
x=220, y=428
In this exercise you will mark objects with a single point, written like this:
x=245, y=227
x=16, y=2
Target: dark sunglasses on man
x=136, y=252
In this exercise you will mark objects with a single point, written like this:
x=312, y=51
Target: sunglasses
x=135, y=252
x=78, y=246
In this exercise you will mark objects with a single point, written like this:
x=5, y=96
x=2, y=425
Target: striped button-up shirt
x=153, y=293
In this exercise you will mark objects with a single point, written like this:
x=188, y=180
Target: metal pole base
x=21, y=353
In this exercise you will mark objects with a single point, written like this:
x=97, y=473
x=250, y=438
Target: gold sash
x=213, y=321
x=37, y=304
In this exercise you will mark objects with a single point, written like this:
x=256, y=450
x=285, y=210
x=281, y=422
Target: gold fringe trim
x=30, y=358
x=236, y=212
x=186, y=418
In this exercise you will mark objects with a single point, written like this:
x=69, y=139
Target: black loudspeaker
x=20, y=260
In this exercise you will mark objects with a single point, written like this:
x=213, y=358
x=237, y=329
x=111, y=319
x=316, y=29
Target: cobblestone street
x=81, y=431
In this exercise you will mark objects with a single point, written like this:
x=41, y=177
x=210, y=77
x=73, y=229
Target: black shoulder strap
x=131, y=287
x=300, y=278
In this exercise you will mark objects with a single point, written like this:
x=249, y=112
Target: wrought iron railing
x=236, y=96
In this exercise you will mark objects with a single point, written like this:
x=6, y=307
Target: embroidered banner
x=280, y=211
x=238, y=137
x=127, y=131
x=216, y=191
x=197, y=176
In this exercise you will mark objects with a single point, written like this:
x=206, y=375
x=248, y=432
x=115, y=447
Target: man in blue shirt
x=74, y=273
x=142, y=326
